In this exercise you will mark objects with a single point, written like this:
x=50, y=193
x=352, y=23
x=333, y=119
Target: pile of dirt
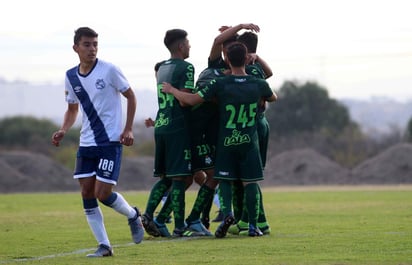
x=136, y=174
x=303, y=167
x=29, y=172
x=393, y=166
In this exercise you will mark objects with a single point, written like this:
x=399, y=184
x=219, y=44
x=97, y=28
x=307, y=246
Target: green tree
x=30, y=133
x=306, y=108
x=408, y=133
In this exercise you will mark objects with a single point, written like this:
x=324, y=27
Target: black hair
x=174, y=35
x=250, y=39
x=236, y=54
x=84, y=31
x=230, y=40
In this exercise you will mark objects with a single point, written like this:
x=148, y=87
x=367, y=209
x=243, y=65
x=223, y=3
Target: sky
x=358, y=49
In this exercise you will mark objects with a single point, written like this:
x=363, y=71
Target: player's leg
x=262, y=222
x=252, y=199
x=251, y=172
x=202, y=165
x=107, y=175
x=219, y=217
x=85, y=171
x=159, y=188
x=203, y=198
x=225, y=173
x=263, y=130
x=163, y=217
x=237, y=196
x=156, y=195
x=94, y=218
x=225, y=195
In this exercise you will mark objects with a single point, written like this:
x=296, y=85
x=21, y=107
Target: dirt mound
x=25, y=171
x=29, y=172
x=392, y=166
x=303, y=167
x=10, y=177
x=136, y=174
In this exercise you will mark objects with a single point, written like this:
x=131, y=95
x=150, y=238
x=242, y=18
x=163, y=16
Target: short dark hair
x=84, y=31
x=174, y=35
x=236, y=54
x=230, y=40
x=250, y=39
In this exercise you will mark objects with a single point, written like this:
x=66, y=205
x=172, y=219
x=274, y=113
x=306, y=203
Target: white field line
x=91, y=250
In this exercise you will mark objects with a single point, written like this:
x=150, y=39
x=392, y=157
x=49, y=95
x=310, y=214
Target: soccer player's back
x=172, y=149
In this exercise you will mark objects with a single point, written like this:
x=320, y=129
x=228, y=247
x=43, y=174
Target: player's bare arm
x=187, y=98
x=127, y=137
x=68, y=121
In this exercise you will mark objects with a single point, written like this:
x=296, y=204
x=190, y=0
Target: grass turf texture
x=324, y=225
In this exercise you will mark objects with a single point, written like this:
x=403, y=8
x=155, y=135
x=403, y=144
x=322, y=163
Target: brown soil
x=303, y=167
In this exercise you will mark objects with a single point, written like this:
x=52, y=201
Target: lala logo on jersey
x=100, y=84
x=236, y=138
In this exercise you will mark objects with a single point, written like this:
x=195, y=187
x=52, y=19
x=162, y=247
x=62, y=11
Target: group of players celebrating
x=213, y=131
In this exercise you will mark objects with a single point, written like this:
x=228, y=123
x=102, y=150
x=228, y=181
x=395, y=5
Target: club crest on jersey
x=100, y=84
x=208, y=160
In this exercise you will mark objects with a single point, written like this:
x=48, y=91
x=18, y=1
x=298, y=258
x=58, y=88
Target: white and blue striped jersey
x=98, y=94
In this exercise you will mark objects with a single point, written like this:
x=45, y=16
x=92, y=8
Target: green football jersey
x=255, y=70
x=238, y=98
x=251, y=69
x=180, y=74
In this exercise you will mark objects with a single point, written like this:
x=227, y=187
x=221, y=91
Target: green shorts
x=239, y=163
x=172, y=154
x=203, y=135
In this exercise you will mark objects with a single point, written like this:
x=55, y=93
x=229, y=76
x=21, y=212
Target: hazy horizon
x=378, y=115
x=356, y=49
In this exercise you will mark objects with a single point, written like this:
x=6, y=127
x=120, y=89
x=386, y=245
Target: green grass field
x=324, y=225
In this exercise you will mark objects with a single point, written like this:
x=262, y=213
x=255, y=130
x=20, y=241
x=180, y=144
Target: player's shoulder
x=186, y=63
x=256, y=79
x=158, y=64
x=255, y=70
x=180, y=64
x=210, y=74
x=104, y=63
x=72, y=70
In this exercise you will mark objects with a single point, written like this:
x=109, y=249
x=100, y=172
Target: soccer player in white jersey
x=96, y=86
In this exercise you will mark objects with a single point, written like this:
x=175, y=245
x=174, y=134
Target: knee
x=199, y=177
x=102, y=195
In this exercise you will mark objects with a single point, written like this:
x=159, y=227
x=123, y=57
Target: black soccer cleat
x=221, y=230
